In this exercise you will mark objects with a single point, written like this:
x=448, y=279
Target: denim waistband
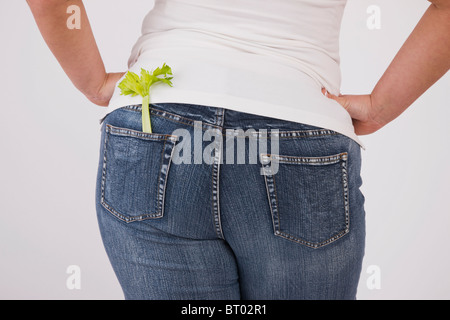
x=222, y=117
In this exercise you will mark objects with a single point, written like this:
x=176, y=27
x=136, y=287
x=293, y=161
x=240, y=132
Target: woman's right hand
x=103, y=94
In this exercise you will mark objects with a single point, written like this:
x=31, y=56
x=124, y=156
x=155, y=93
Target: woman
x=184, y=212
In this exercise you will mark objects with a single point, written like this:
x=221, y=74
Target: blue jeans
x=184, y=214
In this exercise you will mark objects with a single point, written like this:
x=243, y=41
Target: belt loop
x=220, y=116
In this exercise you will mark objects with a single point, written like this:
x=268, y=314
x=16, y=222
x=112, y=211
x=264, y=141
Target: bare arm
x=422, y=60
x=75, y=49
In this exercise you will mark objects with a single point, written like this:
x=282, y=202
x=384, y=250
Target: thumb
x=341, y=99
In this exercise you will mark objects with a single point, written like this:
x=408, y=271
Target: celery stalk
x=146, y=124
x=134, y=85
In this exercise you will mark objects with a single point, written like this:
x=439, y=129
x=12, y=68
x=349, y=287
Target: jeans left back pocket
x=134, y=172
x=308, y=197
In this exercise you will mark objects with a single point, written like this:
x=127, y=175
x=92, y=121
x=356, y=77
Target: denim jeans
x=185, y=214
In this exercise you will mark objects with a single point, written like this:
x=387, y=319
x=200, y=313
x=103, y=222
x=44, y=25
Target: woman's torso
x=258, y=56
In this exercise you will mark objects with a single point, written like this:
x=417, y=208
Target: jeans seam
x=215, y=196
x=309, y=160
x=171, y=116
x=139, y=134
x=216, y=177
x=269, y=198
x=277, y=211
x=161, y=191
x=307, y=133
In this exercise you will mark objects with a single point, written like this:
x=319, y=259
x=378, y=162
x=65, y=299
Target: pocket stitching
x=139, y=134
x=342, y=157
x=161, y=191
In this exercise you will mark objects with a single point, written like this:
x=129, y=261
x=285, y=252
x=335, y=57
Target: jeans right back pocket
x=308, y=197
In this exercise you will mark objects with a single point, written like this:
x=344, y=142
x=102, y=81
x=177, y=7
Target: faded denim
x=224, y=230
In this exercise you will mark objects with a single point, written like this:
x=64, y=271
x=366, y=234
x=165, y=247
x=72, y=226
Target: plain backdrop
x=49, y=144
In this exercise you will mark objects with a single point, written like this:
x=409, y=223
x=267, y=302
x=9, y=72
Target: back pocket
x=134, y=173
x=308, y=197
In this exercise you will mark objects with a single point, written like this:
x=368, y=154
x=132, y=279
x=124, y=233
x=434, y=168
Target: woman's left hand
x=360, y=108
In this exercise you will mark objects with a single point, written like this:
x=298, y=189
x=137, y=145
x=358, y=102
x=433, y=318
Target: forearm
x=75, y=49
x=422, y=60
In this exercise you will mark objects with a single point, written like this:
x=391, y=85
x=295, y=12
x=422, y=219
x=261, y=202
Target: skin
x=422, y=60
x=75, y=49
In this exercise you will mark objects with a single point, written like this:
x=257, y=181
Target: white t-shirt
x=263, y=57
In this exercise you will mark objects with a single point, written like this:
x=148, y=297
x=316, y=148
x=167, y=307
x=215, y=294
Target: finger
x=341, y=99
x=329, y=95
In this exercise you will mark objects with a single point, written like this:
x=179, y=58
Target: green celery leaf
x=134, y=85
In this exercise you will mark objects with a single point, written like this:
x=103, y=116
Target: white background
x=49, y=143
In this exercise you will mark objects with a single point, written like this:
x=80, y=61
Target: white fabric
x=264, y=57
